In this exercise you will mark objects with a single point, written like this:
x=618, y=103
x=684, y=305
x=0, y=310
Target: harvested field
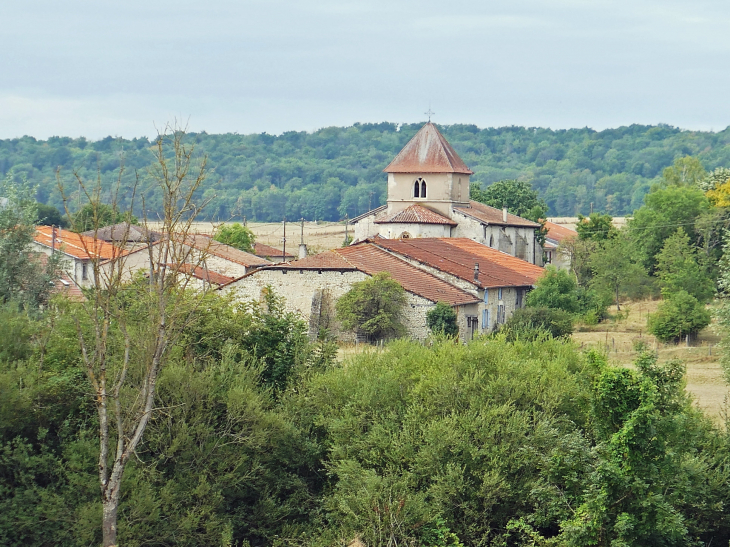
x=319, y=236
x=705, y=380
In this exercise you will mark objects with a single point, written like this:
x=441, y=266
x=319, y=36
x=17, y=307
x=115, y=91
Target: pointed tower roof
x=428, y=152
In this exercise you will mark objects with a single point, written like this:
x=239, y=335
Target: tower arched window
x=417, y=189
x=423, y=188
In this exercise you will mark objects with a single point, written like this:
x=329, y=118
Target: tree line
x=336, y=172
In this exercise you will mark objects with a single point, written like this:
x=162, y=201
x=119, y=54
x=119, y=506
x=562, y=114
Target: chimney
x=504, y=214
x=53, y=239
x=476, y=272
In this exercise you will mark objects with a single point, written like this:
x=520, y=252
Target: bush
x=679, y=315
x=558, y=290
x=441, y=319
x=532, y=323
x=236, y=235
x=373, y=307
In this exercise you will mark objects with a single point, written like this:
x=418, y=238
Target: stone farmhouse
x=272, y=254
x=556, y=235
x=428, y=196
x=482, y=284
x=81, y=251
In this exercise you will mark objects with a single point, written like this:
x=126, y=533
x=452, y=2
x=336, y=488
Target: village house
x=272, y=254
x=80, y=252
x=554, y=254
x=312, y=285
x=217, y=257
x=483, y=285
x=428, y=196
x=500, y=281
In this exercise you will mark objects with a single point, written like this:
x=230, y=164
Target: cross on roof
x=429, y=113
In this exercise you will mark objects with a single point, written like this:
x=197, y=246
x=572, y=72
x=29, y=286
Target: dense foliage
x=236, y=235
x=678, y=316
x=558, y=290
x=373, y=307
x=337, y=171
x=534, y=323
x=441, y=319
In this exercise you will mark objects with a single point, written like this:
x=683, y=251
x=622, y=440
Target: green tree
x=47, y=215
x=686, y=171
x=236, y=235
x=517, y=195
x=95, y=215
x=373, y=307
x=679, y=315
x=663, y=212
x=596, y=226
x=24, y=277
x=615, y=267
x=555, y=289
x=441, y=319
x=678, y=270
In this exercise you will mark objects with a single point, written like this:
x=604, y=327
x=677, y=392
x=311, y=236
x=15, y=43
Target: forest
x=336, y=172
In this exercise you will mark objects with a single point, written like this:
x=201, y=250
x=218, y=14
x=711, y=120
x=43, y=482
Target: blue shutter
x=500, y=293
x=484, y=319
x=486, y=296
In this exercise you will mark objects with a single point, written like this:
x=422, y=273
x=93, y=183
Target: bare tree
x=129, y=323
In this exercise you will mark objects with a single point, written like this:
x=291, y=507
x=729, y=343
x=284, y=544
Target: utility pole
x=370, y=201
x=302, y=240
x=346, y=222
x=283, y=253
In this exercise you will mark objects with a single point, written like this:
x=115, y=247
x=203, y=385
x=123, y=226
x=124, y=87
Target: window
x=485, y=319
x=404, y=235
x=84, y=270
x=500, y=294
x=501, y=319
x=486, y=296
x=419, y=188
x=519, y=298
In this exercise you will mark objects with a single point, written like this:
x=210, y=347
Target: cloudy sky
x=97, y=68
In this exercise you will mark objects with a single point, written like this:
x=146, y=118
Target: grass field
x=705, y=379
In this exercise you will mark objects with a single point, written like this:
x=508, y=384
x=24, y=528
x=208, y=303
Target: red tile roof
x=77, y=245
x=64, y=284
x=415, y=214
x=558, y=233
x=457, y=256
x=215, y=248
x=368, y=258
x=210, y=276
x=492, y=215
x=428, y=152
x=265, y=251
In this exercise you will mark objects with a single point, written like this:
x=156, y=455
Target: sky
x=95, y=68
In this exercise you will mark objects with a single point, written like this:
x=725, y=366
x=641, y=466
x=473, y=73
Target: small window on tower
x=423, y=188
x=416, y=189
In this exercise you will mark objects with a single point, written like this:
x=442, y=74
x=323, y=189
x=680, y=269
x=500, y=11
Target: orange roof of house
x=221, y=250
x=458, y=256
x=261, y=250
x=428, y=152
x=492, y=215
x=558, y=233
x=64, y=284
x=205, y=274
x=77, y=245
x=415, y=214
x=370, y=259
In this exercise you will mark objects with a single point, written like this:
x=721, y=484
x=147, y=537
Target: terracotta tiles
x=77, y=245
x=368, y=258
x=458, y=257
x=428, y=152
x=558, y=233
x=265, y=251
x=212, y=247
x=210, y=276
x=492, y=215
x=415, y=214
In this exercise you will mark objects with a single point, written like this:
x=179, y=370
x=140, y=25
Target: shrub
x=373, y=306
x=441, y=319
x=558, y=289
x=532, y=323
x=236, y=235
x=679, y=315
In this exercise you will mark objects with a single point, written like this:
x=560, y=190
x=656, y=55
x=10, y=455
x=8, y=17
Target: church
x=428, y=197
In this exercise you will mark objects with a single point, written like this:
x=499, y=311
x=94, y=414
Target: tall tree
x=596, y=226
x=686, y=171
x=678, y=269
x=24, y=277
x=518, y=196
x=236, y=235
x=127, y=329
x=373, y=307
x=615, y=266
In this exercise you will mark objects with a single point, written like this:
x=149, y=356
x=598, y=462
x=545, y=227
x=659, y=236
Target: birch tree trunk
x=114, y=339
